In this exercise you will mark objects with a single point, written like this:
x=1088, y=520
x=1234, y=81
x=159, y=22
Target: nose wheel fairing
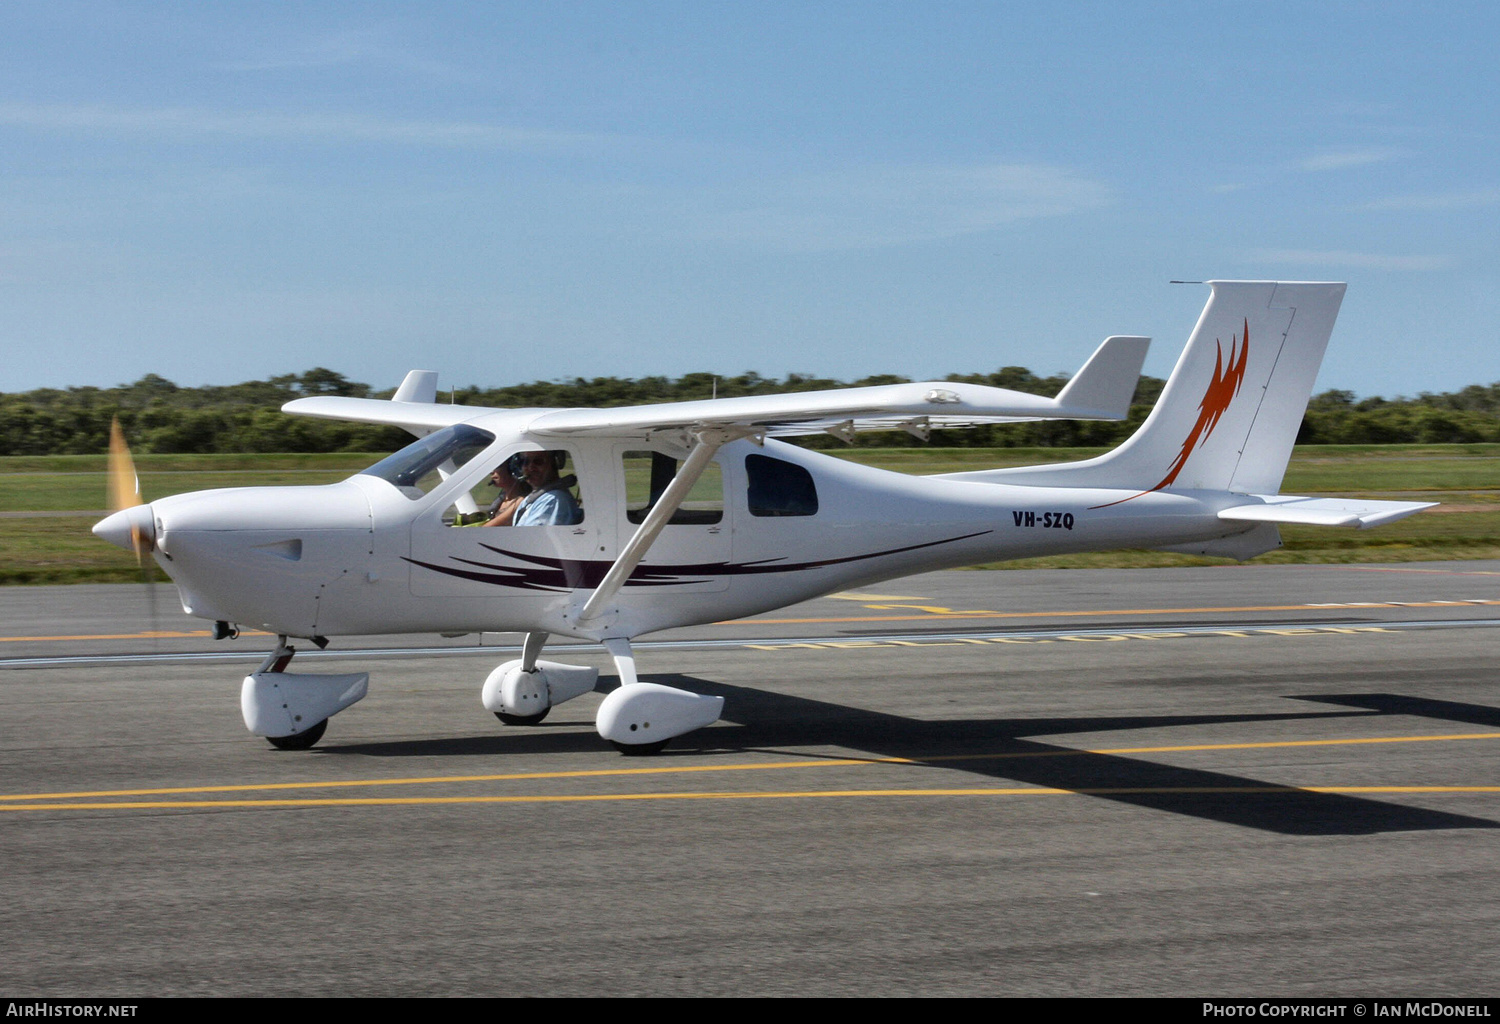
x=291, y=710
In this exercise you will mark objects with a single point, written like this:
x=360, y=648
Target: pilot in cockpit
x=550, y=502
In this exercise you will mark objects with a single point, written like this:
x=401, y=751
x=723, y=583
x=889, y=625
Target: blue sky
x=517, y=191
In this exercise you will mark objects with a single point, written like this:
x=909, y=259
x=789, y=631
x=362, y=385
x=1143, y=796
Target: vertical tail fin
x=1231, y=409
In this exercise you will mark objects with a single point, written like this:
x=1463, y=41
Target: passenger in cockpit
x=550, y=503
x=509, y=478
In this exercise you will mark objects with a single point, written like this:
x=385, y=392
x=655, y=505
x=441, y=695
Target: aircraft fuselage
x=365, y=557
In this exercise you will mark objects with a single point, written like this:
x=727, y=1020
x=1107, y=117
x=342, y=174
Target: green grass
x=1466, y=478
x=1322, y=469
x=60, y=483
x=60, y=549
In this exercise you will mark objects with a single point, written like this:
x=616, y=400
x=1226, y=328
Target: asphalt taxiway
x=1252, y=780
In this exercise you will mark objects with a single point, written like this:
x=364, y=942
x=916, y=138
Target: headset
x=516, y=464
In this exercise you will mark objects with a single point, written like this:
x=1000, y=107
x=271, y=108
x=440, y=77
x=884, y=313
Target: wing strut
x=709, y=441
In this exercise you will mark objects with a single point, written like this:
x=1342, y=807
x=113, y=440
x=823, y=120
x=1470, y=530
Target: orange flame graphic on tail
x=1222, y=388
x=1221, y=391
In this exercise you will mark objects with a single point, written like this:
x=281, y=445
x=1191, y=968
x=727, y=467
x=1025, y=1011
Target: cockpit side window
x=526, y=488
x=779, y=488
x=423, y=464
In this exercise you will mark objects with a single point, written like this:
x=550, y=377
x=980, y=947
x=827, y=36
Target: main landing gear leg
x=292, y=711
x=531, y=649
x=522, y=692
x=641, y=718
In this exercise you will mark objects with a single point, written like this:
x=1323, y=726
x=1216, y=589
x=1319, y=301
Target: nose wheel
x=275, y=702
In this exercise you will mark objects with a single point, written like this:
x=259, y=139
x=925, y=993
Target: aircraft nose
x=121, y=527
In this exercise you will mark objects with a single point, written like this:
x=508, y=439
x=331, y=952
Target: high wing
x=1100, y=391
x=420, y=418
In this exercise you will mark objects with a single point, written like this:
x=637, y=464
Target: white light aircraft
x=692, y=512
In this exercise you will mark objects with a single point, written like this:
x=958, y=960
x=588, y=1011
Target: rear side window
x=779, y=488
x=647, y=475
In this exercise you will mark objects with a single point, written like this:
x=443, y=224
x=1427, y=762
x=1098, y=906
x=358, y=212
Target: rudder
x=1313, y=308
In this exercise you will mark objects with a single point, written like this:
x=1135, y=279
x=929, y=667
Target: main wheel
x=300, y=740
x=510, y=719
x=640, y=749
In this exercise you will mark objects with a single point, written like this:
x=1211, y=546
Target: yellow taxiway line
x=22, y=801
x=381, y=801
x=924, y=612
x=936, y=611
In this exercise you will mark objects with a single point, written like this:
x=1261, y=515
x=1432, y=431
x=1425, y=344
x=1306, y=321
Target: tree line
x=160, y=416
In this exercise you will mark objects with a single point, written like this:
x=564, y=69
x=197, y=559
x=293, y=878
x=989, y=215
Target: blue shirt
x=552, y=507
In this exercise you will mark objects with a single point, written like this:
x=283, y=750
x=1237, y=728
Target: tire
x=510, y=719
x=300, y=740
x=641, y=749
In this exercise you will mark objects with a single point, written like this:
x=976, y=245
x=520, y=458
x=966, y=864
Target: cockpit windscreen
x=423, y=464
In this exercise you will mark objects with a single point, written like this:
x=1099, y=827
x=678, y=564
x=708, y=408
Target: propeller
x=130, y=524
x=125, y=486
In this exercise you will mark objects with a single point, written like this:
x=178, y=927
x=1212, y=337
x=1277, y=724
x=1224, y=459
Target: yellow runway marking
x=937, y=611
x=846, y=762
x=445, y=779
x=876, y=601
x=1392, y=568
x=758, y=795
x=159, y=634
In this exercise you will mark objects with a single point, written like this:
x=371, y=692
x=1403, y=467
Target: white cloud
x=881, y=206
x=325, y=128
x=331, y=51
x=1346, y=258
x=1439, y=201
x=367, y=46
x=1338, y=159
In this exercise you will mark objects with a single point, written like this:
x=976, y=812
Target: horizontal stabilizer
x=1288, y=508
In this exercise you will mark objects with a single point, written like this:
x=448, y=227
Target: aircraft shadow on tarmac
x=1420, y=707
x=772, y=721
